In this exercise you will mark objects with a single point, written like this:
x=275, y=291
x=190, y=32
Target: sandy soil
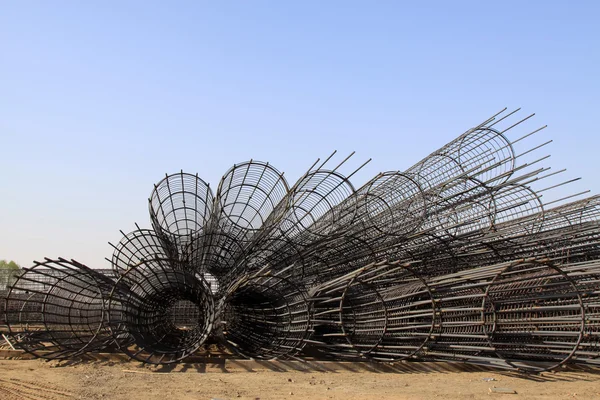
x=36, y=379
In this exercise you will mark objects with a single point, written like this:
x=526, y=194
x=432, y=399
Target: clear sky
x=98, y=99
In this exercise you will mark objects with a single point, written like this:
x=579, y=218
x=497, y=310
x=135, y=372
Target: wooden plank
x=8, y=341
x=502, y=390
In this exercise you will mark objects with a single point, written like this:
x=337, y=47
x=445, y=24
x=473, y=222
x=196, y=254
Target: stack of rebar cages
x=457, y=258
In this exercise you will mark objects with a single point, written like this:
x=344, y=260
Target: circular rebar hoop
x=218, y=255
x=491, y=151
x=462, y=328
x=586, y=211
x=435, y=170
x=513, y=202
x=313, y=212
x=160, y=315
x=314, y=207
x=62, y=315
x=540, y=316
x=386, y=312
x=463, y=205
x=249, y=194
x=363, y=317
x=265, y=317
x=180, y=206
x=140, y=245
x=586, y=275
x=391, y=204
x=409, y=312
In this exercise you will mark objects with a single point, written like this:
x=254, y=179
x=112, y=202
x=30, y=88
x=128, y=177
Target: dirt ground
x=36, y=379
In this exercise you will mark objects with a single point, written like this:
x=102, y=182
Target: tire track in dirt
x=17, y=389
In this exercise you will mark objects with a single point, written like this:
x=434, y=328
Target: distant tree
x=9, y=265
x=9, y=271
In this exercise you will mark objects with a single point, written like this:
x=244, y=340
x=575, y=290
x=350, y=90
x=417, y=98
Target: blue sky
x=99, y=99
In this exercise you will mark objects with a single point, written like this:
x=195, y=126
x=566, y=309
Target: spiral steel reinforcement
x=456, y=258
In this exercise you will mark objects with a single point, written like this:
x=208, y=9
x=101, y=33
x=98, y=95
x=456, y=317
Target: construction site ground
x=118, y=378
